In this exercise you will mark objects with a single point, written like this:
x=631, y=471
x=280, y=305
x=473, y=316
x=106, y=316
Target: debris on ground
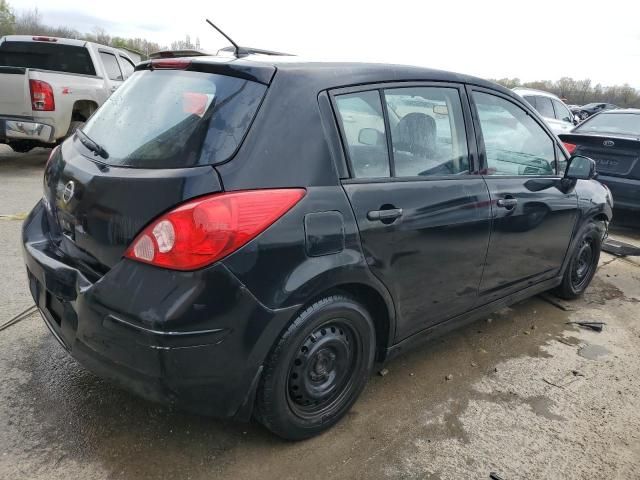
x=495, y=476
x=21, y=316
x=449, y=377
x=595, y=326
x=13, y=216
x=556, y=302
x=474, y=364
x=620, y=249
x=383, y=372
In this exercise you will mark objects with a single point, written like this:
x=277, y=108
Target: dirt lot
x=530, y=396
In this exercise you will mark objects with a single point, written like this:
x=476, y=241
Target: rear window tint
x=171, y=118
x=47, y=56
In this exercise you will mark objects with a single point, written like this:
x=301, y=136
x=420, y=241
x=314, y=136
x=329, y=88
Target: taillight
x=41, y=96
x=207, y=229
x=44, y=39
x=571, y=147
x=180, y=63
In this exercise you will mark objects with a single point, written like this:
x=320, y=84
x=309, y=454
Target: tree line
x=581, y=92
x=30, y=22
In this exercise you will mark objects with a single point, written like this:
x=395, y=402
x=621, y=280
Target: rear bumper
x=17, y=129
x=625, y=191
x=196, y=340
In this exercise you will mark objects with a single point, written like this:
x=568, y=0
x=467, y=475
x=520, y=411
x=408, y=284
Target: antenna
x=237, y=50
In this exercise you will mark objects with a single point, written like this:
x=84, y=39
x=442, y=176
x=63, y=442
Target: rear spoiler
x=243, y=51
x=232, y=67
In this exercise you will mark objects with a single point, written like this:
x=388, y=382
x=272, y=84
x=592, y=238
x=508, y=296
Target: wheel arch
x=378, y=304
x=83, y=109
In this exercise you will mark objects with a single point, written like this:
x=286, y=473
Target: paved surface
x=530, y=396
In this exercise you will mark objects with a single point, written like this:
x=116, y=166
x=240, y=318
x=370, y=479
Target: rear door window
x=111, y=66
x=47, y=56
x=544, y=107
x=531, y=99
x=174, y=118
x=364, y=133
x=427, y=131
x=562, y=112
x=127, y=67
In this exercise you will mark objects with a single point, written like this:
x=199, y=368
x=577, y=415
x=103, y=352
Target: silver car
x=551, y=108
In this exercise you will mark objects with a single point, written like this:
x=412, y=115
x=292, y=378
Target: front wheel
x=317, y=369
x=582, y=264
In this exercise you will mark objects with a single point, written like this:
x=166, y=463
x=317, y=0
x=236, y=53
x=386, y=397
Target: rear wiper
x=91, y=145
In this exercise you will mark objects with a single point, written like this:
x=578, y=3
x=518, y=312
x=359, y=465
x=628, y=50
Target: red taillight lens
x=41, y=96
x=571, y=147
x=171, y=63
x=44, y=39
x=208, y=229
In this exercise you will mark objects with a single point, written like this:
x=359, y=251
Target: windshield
x=173, y=118
x=622, y=123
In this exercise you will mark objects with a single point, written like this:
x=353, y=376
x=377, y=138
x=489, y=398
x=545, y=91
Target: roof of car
x=329, y=74
x=621, y=110
x=533, y=91
x=52, y=40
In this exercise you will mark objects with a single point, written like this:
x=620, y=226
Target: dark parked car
x=612, y=139
x=589, y=109
x=247, y=237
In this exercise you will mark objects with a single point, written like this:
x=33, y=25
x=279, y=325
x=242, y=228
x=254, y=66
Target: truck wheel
x=73, y=126
x=317, y=369
x=582, y=264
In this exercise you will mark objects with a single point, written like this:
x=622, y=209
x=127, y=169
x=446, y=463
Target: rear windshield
x=623, y=123
x=47, y=56
x=173, y=118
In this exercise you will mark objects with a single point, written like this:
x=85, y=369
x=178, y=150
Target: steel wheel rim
x=321, y=371
x=583, y=266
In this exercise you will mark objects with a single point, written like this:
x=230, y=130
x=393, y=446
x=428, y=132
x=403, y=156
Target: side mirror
x=581, y=168
x=370, y=136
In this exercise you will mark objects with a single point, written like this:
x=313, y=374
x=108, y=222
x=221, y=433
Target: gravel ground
x=529, y=396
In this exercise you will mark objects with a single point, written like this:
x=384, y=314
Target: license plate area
x=55, y=307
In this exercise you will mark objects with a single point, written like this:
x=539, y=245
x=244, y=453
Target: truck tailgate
x=15, y=98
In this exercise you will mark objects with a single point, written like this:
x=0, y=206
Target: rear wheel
x=583, y=263
x=73, y=126
x=317, y=369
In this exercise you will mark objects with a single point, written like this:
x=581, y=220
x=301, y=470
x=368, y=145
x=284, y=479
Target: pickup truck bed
x=50, y=86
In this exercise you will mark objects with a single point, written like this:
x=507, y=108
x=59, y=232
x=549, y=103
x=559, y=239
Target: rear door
x=563, y=116
x=114, y=75
x=422, y=211
x=533, y=218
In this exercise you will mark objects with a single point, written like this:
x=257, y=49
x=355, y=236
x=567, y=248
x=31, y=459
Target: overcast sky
x=542, y=40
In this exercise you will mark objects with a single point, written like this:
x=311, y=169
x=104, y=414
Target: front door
x=424, y=217
x=533, y=216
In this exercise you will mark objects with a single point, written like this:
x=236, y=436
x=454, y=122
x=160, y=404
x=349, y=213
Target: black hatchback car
x=249, y=236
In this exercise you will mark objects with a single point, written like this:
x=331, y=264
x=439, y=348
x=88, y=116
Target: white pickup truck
x=50, y=86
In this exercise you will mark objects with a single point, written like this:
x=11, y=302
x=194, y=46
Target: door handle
x=508, y=202
x=385, y=215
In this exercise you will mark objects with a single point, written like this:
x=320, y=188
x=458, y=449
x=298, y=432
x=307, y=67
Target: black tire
x=317, y=369
x=583, y=263
x=73, y=126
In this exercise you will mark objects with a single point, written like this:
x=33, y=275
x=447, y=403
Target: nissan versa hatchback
x=248, y=236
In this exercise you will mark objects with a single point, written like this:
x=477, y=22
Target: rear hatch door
x=150, y=147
